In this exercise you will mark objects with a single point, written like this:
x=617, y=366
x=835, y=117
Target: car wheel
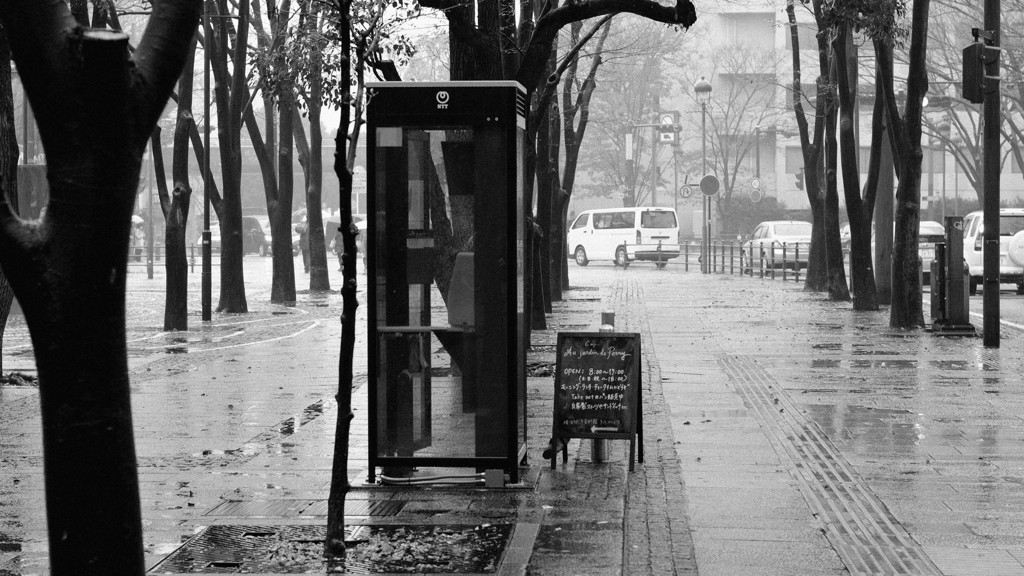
x=581, y=256
x=263, y=250
x=620, y=257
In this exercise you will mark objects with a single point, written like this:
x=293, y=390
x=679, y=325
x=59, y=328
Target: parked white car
x=775, y=236
x=1011, y=221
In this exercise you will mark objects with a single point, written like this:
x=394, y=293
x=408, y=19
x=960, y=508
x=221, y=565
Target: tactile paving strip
x=863, y=532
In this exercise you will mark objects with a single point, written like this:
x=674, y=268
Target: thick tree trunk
x=906, y=311
x=230, y=96
x=858, y=211
x=884, y=210
x=318, y=276
x=95, y=112
x=8, y=168
x=285, y=184
x=176, y=206
x=816, y=279
x=92, y=503
x=835, y=270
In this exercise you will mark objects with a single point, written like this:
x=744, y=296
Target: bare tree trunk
x=884, y=217
x=906, y=311
x=318, y=276
x=286, y=180
x=176, y=207
x=816, y=279
x=836, y=271
x=334, y=543
x=231, y=95
x=96, y=110
x=858, y=210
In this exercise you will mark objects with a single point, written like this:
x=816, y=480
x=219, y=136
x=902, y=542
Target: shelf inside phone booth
x=445, y=298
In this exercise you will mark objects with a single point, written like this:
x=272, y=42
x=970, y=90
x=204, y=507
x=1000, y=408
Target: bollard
x=598, y=446
x=772, y=260
x=714, y=259
x=686, y=256
x=796, y=262
x=732, y=256
x=783, y=261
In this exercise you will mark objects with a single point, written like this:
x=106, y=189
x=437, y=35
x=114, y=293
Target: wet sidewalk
x=783, y=435
x=816, y=440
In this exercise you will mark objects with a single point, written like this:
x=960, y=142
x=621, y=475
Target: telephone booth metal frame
x=445, y=277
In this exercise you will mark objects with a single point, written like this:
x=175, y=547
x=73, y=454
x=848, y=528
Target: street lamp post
x=703, y=90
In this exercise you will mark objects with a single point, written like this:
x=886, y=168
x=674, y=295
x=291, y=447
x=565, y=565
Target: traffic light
x=800, y=178
x=668, y=127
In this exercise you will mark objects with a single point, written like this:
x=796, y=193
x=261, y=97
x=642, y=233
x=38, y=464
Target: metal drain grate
x=371, y=550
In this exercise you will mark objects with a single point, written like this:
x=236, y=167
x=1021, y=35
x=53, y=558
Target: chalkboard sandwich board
x=597, y=388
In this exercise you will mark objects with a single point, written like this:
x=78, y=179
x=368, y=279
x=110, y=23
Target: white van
x=625, y=235
x=1011, y=221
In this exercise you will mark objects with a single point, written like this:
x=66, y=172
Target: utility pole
x=990, y=179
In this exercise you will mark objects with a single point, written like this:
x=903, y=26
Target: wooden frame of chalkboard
x=597, y=389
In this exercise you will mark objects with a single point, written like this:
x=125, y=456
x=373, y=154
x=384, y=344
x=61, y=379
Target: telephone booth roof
x=446, y=102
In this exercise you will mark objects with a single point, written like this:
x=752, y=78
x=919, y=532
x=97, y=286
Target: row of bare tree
x=98, y=99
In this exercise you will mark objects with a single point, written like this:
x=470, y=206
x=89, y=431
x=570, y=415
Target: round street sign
x=755, y=183
x=686, y=191
x=709, y=185
x=755, y=195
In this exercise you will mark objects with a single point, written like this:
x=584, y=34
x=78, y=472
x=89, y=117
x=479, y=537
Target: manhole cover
x=452, y=549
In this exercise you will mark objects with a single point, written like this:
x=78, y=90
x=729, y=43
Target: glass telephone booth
x=447, y=338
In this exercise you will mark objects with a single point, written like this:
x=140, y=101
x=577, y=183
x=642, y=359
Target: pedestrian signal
x=668, y=127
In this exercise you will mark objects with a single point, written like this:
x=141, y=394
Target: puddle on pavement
x=868, y=426
x=860, y=364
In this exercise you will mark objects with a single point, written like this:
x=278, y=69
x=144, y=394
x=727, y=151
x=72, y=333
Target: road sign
x=685, y=191
x=756, y=195
x=710, y=184
x=755, y=183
